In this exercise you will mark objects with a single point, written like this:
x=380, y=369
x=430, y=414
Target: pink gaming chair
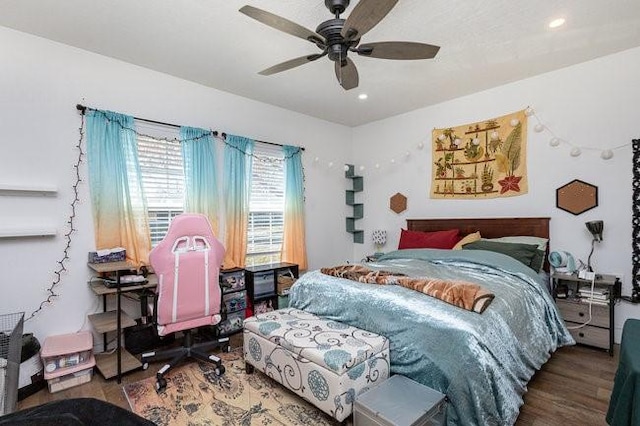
x=187, y=263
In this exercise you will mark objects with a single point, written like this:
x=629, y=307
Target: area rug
x=196, y=396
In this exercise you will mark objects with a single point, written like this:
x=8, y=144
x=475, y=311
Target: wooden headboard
x=489, y=227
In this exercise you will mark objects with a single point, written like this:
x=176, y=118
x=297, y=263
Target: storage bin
x=235, y=301
x=232, y=324
x=231, y=281
x=400, y=401
x=72, y=379
x=263, y=284
x=66, y=353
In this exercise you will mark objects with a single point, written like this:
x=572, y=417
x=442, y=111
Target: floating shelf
x=358, y=208
x=25, y=233
x=28, y=190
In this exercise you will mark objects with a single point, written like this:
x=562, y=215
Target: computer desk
x=121, y=361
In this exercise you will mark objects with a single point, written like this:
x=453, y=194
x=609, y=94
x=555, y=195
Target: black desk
x=624, y=406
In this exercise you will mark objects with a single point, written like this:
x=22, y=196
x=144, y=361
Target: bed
x=482, y=362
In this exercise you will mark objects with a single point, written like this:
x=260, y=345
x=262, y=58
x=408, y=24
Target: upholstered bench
x=326, y=362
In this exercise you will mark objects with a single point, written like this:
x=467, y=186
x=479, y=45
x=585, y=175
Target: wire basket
x=11, y=326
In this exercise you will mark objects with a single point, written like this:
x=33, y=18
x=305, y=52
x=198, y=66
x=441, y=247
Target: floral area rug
x=196, y=396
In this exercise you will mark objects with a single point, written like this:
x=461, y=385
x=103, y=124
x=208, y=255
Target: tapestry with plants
x=487, y=159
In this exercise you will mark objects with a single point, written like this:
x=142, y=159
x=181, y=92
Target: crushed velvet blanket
x=481, y=362
x=462, y=294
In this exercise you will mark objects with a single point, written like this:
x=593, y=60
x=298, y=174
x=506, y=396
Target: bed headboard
x=489, y=227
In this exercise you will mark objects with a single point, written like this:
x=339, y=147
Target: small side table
x=400, y=401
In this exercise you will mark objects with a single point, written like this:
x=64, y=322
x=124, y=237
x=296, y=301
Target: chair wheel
x=248, y=368
x=145, y=365
x=161, y=385
x=220, y=370
x=227, y=349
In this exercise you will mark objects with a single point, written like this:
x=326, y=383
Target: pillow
x=521, y=252
x=538, y=259
x=524, y=239
x=435, y=240
x=469, y=238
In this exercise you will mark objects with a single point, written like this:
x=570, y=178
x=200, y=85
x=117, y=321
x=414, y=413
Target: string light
x=62, y=262
x=576, y=150
x=213, y=133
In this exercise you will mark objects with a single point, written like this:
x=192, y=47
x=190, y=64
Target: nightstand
x=589, y=322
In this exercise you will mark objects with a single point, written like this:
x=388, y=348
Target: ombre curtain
x=237, y=183
x=293, y=241
x=119, y=210
x=199, y=163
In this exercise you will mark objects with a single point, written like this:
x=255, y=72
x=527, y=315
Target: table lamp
x=379, y=237
x=595, y=227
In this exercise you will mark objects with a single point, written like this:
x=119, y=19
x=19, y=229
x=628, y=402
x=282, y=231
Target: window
x=162, y=181
x=266, y=211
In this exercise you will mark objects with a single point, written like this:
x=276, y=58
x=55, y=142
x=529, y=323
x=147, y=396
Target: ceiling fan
x=336, y=37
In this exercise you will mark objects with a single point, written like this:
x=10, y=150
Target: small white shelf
x=28, y=232
x=33, y=190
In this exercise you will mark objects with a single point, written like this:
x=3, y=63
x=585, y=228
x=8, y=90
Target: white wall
x=40, y=84
x=593, y=104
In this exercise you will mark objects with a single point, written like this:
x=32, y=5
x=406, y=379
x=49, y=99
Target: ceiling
x=483, y=44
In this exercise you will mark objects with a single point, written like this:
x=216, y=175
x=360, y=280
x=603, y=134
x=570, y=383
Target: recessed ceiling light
x=558, y=22
x=363, y=96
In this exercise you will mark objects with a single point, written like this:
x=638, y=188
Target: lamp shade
x=595, y=227
x=379, y=237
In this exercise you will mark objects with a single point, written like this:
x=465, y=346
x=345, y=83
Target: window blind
x=266, y=211
x=162, y=181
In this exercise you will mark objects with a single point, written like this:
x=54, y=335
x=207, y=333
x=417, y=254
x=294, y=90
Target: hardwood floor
x=573, y=388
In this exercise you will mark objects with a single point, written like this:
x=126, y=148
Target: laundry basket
x=10, y=350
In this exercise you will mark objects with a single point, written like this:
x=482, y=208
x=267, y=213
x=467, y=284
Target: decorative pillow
x=524, y=239
x=435, y=240
x=538, y=258
x=521, y=252
x=469, y=238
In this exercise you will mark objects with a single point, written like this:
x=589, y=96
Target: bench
x=325, y=362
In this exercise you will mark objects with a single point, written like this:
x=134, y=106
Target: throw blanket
x=462, y=294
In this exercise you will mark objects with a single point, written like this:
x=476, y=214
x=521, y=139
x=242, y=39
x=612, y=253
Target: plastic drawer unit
x=400, y=401
x=68, y=360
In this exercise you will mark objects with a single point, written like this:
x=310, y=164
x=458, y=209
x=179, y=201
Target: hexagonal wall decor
x=398, y=203
x=577, y=197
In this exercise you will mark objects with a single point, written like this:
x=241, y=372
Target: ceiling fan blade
x=347, y=74
x=292, y=63
x=398, y=50
x=282, y=24
x=365, y=16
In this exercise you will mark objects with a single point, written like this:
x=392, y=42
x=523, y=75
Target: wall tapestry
x=481, y=160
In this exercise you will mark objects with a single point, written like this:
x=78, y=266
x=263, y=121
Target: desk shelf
x=105, y=322
x=107, y=363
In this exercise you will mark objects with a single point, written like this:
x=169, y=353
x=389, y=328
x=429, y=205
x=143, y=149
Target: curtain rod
x=83, y=109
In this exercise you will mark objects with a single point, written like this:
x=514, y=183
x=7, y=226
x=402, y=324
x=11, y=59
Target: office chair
x=187, y=263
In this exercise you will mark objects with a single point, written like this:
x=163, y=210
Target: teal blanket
x=482, y=362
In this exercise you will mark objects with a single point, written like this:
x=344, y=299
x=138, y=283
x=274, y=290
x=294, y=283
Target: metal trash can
x=11, y=326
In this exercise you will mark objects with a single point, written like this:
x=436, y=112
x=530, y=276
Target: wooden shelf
x=103, y=268
x=28, y=190
x=105, y=322
x=107, y=363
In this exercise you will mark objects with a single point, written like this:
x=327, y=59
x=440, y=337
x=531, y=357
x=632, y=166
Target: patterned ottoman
x=326, y=362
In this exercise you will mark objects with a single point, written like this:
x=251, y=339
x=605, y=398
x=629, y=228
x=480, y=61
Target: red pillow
x=434, y=240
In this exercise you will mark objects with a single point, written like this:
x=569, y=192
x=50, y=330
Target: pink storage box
x=66, y=354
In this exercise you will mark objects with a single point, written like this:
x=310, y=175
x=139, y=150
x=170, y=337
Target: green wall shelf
x=350, y=200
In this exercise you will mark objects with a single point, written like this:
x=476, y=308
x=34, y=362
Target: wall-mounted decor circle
x=577, y=197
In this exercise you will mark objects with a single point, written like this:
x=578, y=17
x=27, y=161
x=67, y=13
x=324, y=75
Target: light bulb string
x=530, y=112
